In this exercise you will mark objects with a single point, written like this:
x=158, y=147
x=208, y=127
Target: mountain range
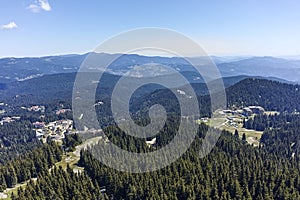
x=21, y=69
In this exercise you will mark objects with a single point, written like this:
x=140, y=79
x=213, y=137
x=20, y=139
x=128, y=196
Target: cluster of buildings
x=204, y=119
x=35, y=108
x=62, y=111
x=234, y=117
x=7, y=120
x=54, y=131
x=246, y=111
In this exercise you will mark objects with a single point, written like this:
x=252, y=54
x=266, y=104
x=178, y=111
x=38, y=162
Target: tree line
x=29, y=165
x=233, y=170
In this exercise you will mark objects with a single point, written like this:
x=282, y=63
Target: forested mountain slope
x=271, y=95
x=233, y=170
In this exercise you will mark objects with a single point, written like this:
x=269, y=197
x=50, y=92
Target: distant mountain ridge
x=60, y=86
x=20, y=69
x=263, y=66
x=271, y=95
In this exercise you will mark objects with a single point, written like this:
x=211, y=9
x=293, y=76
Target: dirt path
x=71, y=158
x=252, y=140
x=86, y=144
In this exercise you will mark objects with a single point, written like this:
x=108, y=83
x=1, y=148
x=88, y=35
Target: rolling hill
x=21, y=69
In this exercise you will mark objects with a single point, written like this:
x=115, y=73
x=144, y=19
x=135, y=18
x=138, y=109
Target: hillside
x=233, y=170
x=262, y=66
x=272, y=95
x=21, y=69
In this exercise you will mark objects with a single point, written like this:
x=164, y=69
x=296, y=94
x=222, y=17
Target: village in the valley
x=230, y=119
x=53, y=131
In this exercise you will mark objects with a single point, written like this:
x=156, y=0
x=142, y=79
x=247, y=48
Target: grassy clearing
x=217, y=122
x=70, y=158
x=231, y=123
x=249, y=133
x=252, y=136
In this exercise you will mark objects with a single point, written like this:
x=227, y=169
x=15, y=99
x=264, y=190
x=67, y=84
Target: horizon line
x=288, y=56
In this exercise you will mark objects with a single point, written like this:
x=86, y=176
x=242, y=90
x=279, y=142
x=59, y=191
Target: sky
x=231, y=27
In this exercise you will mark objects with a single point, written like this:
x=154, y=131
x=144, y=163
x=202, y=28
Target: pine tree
x=236, y=133
x=10, y=177
x=2, y=183
x=244, y=139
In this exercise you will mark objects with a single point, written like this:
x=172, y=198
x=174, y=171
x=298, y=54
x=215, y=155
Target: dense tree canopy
x=233, y=170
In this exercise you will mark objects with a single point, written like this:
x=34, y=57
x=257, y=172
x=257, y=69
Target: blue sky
x=248, y=27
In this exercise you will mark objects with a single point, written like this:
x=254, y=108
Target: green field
x=231, y=123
